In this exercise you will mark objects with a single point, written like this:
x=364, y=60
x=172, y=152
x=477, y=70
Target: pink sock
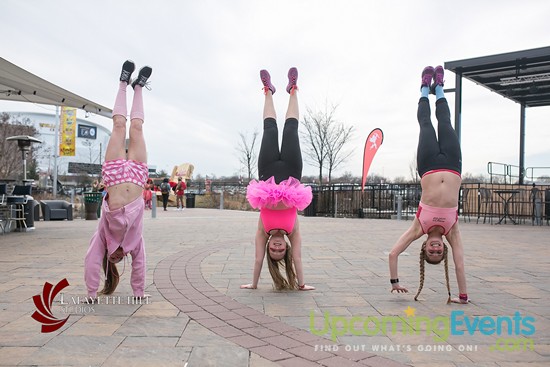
x=120, y=101
x=137, y=105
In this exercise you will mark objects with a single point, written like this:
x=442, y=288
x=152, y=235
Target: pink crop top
x=278, y=219
x=431, y=216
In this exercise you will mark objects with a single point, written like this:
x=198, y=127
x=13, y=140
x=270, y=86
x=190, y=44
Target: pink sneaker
x=266, y=81
x=292, y=78
x=427, y=75
x=438, y=76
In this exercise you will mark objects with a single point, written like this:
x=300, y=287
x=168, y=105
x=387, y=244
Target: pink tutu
x=268, y=194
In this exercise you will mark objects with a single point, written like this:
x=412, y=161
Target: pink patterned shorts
x=124, y=170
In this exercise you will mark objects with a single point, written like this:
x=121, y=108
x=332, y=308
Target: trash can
x=311, y=209
x=29, y=213
x=92, y=202
x=190, y=201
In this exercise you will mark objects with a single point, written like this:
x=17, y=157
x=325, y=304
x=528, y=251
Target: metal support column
x=522, y=144
x=458, y=104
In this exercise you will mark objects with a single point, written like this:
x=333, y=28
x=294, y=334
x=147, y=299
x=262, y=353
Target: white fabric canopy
x=17, y=84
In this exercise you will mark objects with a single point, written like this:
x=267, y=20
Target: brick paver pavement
x=197, y=314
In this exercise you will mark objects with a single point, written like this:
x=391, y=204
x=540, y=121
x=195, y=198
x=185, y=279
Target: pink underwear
x=124, y=170
x=441, y=170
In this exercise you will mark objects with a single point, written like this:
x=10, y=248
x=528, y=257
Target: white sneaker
x=183, y=208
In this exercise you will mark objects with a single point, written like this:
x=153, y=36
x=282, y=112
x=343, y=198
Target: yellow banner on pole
x=67, y=132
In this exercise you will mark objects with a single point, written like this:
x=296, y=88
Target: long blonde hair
x=287, y=263
x=424, y=259
x=111, y=276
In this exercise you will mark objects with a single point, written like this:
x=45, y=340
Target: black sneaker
x=143, y=75
x=127, y=69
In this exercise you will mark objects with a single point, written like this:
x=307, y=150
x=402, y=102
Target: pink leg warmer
x=120, y=101
x=137, y=105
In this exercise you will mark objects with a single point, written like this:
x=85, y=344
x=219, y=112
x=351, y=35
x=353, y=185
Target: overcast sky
x=364, y=56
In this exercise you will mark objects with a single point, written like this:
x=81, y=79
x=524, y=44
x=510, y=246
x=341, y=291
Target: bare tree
x=325, y=139
x=347, y=178
x=337, y=137
x=315, y=149
x=470, y=178
x=376, y=179
x=10, y=155
x=248, y=156
x=92, y=154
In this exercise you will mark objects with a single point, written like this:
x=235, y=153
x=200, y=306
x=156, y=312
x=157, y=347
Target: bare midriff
x=440, y=189
x=122, y=194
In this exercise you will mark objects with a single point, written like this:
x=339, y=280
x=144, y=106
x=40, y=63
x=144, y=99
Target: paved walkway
x=198, y=316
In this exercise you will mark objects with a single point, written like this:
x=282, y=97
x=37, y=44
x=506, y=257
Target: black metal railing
x=375, y=201
x=488, y=203
x=480, y=202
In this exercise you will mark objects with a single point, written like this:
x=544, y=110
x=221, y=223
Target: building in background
x=90, y=142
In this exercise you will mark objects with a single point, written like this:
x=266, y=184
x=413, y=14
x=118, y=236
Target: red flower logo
x=43, y=305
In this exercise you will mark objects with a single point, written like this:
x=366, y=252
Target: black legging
x=165, y=200
x=280, y=164
x=433, y=154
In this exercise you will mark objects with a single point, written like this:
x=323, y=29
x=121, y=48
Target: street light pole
x=55, y=151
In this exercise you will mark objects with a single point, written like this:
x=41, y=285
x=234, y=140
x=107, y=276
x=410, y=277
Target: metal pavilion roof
x=17, y=84
x=522, y=76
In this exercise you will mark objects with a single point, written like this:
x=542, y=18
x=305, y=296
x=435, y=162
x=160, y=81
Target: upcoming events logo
x=512, y=331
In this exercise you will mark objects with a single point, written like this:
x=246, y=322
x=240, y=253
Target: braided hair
x=424, y=259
